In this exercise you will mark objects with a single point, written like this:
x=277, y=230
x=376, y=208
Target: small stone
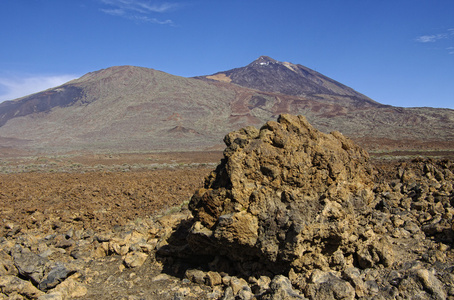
x=281, y=288
x=147, y=248
x=52, y=296
x=213, y=278
x=238, y=284
x=261, y=285
x=61, y=241
x=327, y=285
x=245, y=295
x=7, y=265
x=226, y=280
x=196, y=276
x=372, y=286
x=228, y=294
x=10, y=284
x=72, y=287
x=135, y=259
x=99, y=252
x=216, y=293
x=353, y=275
x=431, y=283
x=102, y=238
x=54, y=277
x=161, y=277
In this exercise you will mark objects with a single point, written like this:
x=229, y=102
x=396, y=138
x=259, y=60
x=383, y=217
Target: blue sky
x=398, y=52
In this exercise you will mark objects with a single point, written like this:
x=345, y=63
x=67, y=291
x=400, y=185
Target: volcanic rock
x=286, y=196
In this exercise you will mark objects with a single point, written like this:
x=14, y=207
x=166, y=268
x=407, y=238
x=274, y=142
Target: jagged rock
x=286, y=194
x=71, y=288
x=245, y=294
x=10, y=284
x=431, y=284
x=213, y=278
x=181, y=293
x=62, y=241
x=54, y=277
x=29, y=264
x=281, y=289
x=261, y=285
x=7, y=265
x=228, y=294
x=353, y=276
x=135, y=259
x=196, y=276
x=375, y=253
x=238, y=284
x=327, y=286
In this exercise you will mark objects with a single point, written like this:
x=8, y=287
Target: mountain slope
x=118, y=108
x=269, y=75
x=127, y=108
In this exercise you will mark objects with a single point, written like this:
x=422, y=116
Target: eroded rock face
x=286, y=195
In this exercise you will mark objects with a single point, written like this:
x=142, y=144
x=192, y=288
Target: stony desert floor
x=94, y=194
x=80, y=212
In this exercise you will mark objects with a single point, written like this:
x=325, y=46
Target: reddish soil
x=96, y=198
x=95, y=194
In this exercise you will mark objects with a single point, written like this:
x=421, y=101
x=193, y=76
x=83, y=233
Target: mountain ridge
x=128, y=108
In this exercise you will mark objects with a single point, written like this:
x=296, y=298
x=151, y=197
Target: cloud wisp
x=138, y=10
x=433, y=38
x=15, y=87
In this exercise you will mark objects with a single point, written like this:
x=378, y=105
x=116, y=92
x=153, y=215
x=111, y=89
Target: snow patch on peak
x=290, y=66
x=264, y=61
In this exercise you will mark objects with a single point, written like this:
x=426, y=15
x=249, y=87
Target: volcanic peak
x=264, y=61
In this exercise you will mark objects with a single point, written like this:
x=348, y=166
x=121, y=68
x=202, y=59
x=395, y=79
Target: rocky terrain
x=289, y=213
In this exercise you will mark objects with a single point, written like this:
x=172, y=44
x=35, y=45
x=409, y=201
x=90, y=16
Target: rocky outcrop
x=286, y=195
x=290, y=200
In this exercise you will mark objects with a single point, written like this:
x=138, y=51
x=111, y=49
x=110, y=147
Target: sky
x=397, y=52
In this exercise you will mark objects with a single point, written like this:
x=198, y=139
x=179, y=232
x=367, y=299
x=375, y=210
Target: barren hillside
x=131, y=109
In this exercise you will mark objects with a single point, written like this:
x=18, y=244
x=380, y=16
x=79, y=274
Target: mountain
x=126, y=108
x=269, y=75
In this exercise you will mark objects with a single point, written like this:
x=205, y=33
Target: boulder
x=286, y=195
x=30, y=265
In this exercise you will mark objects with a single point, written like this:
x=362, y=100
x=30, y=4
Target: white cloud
x=431, y=38
x=16, y=87
x=114, y=12
x=138, y=10
x=150, y=20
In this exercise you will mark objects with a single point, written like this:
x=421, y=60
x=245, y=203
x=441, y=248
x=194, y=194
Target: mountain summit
x=269, y=75
x=264, y=61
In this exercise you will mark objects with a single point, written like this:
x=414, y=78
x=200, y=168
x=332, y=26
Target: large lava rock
x=285, y=196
